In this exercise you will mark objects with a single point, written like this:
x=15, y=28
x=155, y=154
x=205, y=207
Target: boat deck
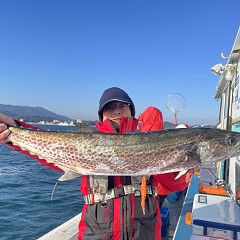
x=66, y=231
x=178, y=229
x=184, y=231
x=175, y=210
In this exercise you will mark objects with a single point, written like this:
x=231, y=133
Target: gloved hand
x=4, y=132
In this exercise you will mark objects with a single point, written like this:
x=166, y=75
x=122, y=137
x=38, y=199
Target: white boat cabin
x=228, y=92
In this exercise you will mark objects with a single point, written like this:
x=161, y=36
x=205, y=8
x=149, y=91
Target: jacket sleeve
x=18, y=149
x=166, y=183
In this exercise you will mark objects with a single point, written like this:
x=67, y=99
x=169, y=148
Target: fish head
x=216, y=145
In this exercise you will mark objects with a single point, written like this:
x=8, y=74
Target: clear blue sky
x=61, y=55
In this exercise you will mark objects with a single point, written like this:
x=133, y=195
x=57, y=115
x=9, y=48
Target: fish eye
x=231, y=141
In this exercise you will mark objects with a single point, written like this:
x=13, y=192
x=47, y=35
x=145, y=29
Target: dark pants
x=100, y=222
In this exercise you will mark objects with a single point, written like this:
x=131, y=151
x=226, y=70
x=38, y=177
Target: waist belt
x=118, y=192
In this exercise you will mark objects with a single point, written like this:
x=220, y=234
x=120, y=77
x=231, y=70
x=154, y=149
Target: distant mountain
x=168, y=125
x=30, y=114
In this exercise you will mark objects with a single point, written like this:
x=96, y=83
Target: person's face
x=115, y=111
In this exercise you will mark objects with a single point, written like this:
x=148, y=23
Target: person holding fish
x=116, y=207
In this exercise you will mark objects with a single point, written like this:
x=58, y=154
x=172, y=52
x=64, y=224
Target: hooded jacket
x=151, y=120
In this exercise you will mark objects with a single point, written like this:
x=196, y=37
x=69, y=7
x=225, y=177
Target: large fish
x=128, y=154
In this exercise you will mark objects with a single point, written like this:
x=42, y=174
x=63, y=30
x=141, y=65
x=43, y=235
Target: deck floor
x=174, y=213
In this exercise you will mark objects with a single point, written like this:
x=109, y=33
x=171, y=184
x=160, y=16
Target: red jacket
x=151, y=120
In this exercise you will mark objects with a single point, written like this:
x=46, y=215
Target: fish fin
x=180, y=174
x=83, y=127
x=68, y=175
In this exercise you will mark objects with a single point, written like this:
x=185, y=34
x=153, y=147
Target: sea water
x=26, y=208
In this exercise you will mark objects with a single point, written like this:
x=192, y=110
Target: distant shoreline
x=53, y=124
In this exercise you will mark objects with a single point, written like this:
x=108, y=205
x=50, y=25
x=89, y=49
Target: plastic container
x=213, y=189
x=216, y=216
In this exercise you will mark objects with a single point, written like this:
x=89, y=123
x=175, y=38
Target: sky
x=62, y=54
